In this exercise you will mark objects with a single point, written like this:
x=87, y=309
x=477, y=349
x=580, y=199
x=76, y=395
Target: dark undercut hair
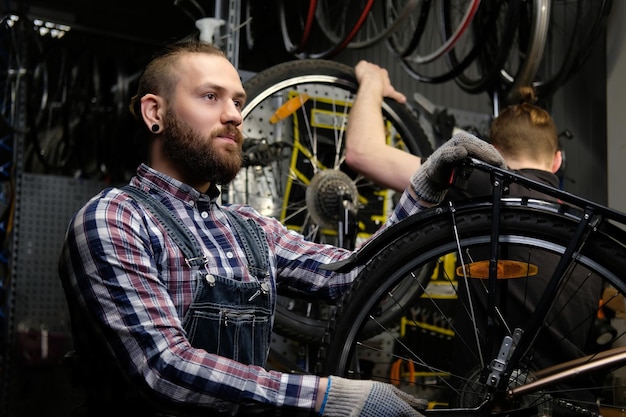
x=158, y=77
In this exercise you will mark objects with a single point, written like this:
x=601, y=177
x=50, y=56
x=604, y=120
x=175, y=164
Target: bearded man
x=179, y=291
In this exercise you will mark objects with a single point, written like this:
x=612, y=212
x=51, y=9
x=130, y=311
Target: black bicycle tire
x=451, y=39
x=493, y=52
x=527, y=70
x=404, y=49
x=318, y=40
x=594, y=33
x=291, y=46
x=575, y=47
x=431, y=234
x=323, y=15
x=390, y=26
x=449, y=74
x=446, y=72
x=331, y=73
x=578, y=49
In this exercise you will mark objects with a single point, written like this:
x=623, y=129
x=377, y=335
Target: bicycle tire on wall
x=319, y=77
x=543, y=227
x=383, y=21
x=437, y=64
x=483, y=73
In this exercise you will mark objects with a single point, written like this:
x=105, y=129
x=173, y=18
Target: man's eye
x=211, y=96
x=238, y=103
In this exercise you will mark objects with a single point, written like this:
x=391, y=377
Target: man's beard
x=196, y=156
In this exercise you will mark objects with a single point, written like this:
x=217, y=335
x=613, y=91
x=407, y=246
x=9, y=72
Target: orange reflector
x=289, y=108
x=506, y=269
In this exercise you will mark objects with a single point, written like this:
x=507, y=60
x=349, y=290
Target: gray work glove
x=364, y=398
x=430, y=182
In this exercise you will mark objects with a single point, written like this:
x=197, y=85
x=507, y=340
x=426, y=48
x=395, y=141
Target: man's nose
x=232, y=114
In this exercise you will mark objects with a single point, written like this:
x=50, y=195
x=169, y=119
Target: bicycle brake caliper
x=498, y=365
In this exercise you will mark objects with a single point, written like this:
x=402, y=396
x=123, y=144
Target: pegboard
x=47, y=204
x=37, y=381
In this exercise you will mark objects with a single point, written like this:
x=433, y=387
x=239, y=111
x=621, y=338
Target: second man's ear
x=558, y=162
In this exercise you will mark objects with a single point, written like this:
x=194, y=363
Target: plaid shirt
x=135, y=279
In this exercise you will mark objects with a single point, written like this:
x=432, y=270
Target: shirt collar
x=150, y=179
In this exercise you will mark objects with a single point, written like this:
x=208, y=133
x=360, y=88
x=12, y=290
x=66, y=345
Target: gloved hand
x=430, y=182
x=364, y=398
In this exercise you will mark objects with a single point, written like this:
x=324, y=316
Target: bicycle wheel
x=296, y=23
x=473, y=354
x=404, y=40
x=435, y=42
x=385, y=19
x=294, y=124
x=575, y=26
x=493, y=28
x=322, y=29
x=338, y=18
x=520, y=68
x=554, y=42
x=447, y=31
x=49, y=149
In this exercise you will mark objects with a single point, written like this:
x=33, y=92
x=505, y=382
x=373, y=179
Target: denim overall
x=232, y=318
x=227, y=317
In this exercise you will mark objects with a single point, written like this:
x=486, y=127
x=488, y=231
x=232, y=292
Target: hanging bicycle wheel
x=351, y=24
x=575, y=26
x=554, y=40
x=384, y=19
x=435, y=42
x=321, y=29
x=340, y=21
x=448, y=29
x=470, y=353
x=296, y=23
x=493, y=28
x=520, y=67
x=294, y=125
x=405, y=39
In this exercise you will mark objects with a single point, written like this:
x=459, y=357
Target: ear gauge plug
x=155, y=128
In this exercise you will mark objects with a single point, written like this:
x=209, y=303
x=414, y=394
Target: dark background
x=146, y=24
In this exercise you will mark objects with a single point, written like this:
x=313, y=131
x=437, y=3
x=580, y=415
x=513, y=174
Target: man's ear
x=152, y=110
x=557, y=161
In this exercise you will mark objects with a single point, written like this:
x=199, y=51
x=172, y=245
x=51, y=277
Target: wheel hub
x=325, y=194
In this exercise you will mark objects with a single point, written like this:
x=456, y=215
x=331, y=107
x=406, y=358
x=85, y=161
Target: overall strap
x=253, y=242
x=174, y=226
